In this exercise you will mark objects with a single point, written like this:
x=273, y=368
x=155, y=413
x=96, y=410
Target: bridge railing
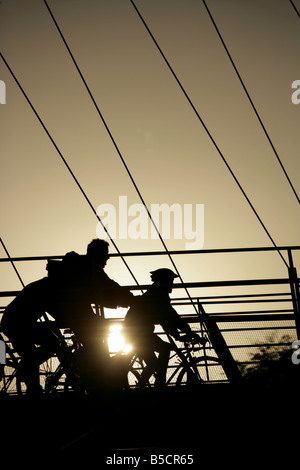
x=251, y=314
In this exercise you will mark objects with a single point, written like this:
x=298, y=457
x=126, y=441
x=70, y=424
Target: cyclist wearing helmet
x=154, y=307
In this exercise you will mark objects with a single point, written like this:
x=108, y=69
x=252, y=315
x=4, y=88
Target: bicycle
x=66, y=376
x=61, y=373
x=183, y=365
x=9, y=381
x=57, y=373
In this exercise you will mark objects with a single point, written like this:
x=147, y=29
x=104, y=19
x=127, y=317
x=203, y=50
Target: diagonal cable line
x=12, y=263
x=66, y=164
x=295, y=8
x=208, y=133
x=99, y=112
x=251, y=101
x=114, y=143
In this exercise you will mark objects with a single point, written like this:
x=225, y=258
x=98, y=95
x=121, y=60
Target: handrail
x=238, y=325
x=164, y=253
x=246, y=282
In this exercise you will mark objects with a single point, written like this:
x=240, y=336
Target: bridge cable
x=116, y=146
x=250, y=100
x=66, y=164
x=208, y=133
x=295, y=8
x=12, y=263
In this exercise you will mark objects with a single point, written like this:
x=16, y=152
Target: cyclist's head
x=163, y=278
x=97, y=250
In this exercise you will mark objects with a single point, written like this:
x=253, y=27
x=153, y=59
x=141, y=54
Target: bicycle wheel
x=136, y=367
x=183, y=366
x=10, y=383
x=186, y=376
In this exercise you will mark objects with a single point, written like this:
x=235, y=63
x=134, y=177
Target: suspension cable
x=208, y=132
x=295, y=8
x=251, y=101
x=116, y=146
x=66, y=164
x=12, y=263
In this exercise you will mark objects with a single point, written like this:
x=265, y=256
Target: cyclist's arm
x=174, y=324
x=115, y=295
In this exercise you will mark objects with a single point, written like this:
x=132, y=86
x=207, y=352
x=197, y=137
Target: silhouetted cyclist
x=72, y=286
x=33, y=340
x=82, y=284
x=154, y=307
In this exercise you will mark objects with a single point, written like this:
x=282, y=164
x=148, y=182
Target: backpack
x=62, y=271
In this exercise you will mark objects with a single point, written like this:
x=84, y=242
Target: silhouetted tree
x=272, y=365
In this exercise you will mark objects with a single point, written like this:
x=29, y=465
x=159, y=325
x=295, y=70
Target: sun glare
x=116, y=341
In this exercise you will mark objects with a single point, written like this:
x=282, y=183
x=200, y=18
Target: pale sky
x=165, y=147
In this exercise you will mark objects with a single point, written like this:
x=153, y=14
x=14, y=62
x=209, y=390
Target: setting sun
x=116, y=341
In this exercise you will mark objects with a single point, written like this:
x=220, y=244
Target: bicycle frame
x=187, y=366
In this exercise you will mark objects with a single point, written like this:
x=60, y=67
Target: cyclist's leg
x=28, y=370
x=93, y=357
x=163, y=350
x=24, y=340
x=154, y=364
x=43, y=334
x=151, y=366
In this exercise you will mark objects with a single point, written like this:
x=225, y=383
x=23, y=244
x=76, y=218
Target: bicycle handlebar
x=192, y=339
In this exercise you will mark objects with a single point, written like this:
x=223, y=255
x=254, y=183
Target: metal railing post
x=294, y=285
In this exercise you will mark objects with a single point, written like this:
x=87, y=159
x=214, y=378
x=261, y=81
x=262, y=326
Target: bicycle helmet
x=163, y=275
